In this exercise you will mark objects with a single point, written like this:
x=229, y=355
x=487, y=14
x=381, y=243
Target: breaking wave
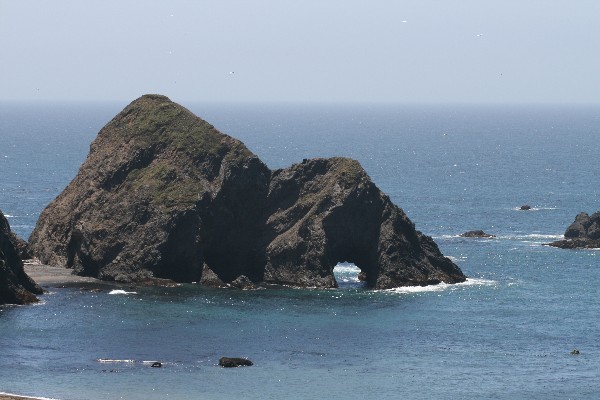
x=535, y=209
x=115, y=361
x=441, y=287
x=17, y=396
x=120, y=291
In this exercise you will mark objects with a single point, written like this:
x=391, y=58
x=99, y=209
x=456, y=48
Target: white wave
x=120, y=291
x=346, y=268
x=110, y=360
x=349, y=279
x=18, y=396
x=526, y=236
x=9, y=216
x=346, y=273
x=150, y=362
x=543, y=236
x=443, y=286
x=536, y=209
x=447, y=236
x=533, y=236
x=456, y=259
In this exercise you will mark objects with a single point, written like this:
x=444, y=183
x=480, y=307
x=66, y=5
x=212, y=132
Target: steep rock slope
x=164, y=194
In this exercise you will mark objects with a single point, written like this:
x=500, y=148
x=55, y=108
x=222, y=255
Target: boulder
x=243, y=282
x=229, y=362
x=15, y=286
x=164, y=194
x=583, y=233
x=477, y=234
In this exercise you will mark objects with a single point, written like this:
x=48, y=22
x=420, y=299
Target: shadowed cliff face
x=15, y=286
x=163, y=194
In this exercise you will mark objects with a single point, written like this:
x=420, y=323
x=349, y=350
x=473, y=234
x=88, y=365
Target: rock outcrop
x=15, y=286
x=583, y=233
x=164, y=194
x=477, y=234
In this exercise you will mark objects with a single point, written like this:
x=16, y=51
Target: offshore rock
x=476, y=234
x=583, y=233
x=163, y=194
x=15, y=286
x=234, y=362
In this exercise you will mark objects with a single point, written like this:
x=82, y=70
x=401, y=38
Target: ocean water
x=506, y=333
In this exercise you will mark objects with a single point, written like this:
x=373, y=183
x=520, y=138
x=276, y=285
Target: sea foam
x=120, y=291
x=441, y=287
x=110, y=360
x=25, y=397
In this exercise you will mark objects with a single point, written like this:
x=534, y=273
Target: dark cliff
x=164, y=194
x=15, y=286
x=583, y=233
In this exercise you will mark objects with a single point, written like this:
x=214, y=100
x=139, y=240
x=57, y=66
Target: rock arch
x=164, y=194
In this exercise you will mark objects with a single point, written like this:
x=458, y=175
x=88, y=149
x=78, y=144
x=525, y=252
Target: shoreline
x=46, y=275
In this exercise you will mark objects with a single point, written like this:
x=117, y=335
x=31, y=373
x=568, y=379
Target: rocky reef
x=583, y=233
x=15, y=286
x=163, y=194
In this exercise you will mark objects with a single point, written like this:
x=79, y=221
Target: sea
x=506, y=333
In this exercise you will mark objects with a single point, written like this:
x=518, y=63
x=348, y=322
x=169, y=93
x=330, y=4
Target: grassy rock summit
x=163, y=194
x=15, y=286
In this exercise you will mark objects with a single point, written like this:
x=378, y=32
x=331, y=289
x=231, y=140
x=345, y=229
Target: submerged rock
x=583, y=233
x=477, y=234
x=15, y=286
x=163, y=194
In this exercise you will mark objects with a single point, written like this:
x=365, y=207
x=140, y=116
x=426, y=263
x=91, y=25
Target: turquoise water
x=507, y=333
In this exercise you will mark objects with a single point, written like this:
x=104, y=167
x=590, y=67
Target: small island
x=165, y=195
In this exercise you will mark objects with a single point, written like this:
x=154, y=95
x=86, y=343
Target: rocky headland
x=163, y=194
x=15, y=286
x=583, y=233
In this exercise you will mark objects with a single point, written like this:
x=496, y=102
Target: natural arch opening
x=349, y=276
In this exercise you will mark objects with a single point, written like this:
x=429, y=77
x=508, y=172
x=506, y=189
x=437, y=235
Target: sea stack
x=583, y=233
x=163, y=194
x=15, y=286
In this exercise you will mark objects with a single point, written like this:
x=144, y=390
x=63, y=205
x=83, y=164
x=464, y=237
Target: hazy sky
x=302, y=50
